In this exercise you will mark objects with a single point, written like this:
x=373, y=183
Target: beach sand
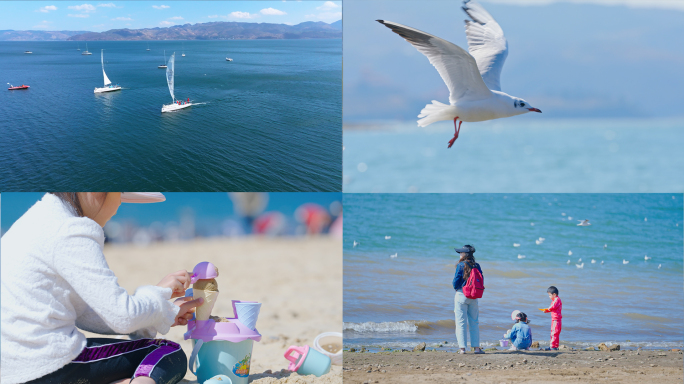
x=514, y=367
x=297, y=280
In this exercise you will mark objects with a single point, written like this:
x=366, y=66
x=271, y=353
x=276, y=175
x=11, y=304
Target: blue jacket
x=521, y=335
x=458, y=278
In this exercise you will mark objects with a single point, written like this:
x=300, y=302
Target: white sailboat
x=148, y=46
x=177, y=105
x=86, y=51
x=163, y=65
x=108, y=86
x=79, y=47
x=183, y=55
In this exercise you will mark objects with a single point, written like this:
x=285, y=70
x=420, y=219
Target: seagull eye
x=522, y=104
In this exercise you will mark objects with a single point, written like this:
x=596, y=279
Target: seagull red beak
x=533, y=110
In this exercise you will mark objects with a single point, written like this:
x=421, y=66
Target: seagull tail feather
x=434, y=112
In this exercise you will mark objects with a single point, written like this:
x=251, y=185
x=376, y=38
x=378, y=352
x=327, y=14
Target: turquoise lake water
x=516, y=155
x=271, y=119
x=401, y=301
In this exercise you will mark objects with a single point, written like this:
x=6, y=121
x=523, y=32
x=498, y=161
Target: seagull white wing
x=456, y=66
x=486, y=42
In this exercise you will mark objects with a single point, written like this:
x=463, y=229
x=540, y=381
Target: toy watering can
x=307, y=361
x=224, y=347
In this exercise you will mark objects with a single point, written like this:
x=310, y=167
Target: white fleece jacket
x=55, y=279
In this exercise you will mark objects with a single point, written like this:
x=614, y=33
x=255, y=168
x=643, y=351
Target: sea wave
x=406, y=326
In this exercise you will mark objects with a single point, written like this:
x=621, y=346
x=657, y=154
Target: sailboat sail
x=169, y=75
x=106, y=79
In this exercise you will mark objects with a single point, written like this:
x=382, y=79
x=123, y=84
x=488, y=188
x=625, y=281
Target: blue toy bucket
x=220, y=357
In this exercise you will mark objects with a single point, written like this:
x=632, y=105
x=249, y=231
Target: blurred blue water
x=270, y=120
x=412, y=293
x=516, y=155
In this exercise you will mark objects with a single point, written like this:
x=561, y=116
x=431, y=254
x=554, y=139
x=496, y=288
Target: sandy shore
x=514, y=367
x=298, y=282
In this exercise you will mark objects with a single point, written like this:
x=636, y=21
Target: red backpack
x=474, y=287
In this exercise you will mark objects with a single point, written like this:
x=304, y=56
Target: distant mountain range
x=11, y=35
x=219, y=30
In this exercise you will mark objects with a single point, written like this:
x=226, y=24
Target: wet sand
x=514, y=367
x=298, y=282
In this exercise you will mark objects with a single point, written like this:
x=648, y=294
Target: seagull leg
x=456, y=132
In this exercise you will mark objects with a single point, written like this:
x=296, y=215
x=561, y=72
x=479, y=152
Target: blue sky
x=101, y=16
x=571, y=59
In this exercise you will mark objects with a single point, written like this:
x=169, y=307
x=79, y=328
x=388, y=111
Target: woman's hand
x=187, y=308
x=177, y=281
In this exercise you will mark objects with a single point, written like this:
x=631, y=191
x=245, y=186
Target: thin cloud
x=81, y=15
x=83, y=7
x=160, y=6
x=122, y=19
x=107, y=5
x=165, y=23
x=328, y=6
x=47, y=9
x=272, y=11
x=659, y=4
x=325, y=16
x=242, y=15
x=213, y=16
x=175, y=18
x=43, y=25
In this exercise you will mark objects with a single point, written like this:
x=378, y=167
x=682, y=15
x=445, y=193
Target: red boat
x=12, y=87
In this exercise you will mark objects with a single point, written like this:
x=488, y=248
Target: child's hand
x=177, y=281
x=187, y=308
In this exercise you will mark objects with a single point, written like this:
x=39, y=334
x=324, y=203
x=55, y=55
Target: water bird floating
x=388, y=237
x=647, y=258
x=659, y=265
x=86, y=52
x=583, y=223
x=108, y=87
x=521, y=256
x=356, y=243
x=580, y=260
x=593, y=261
x=580, y=266
x=177, y=105
x=13, y=87
x=473, y=79
x=569, y=253
x=516, y=245
x=601, y=262
x=568, y=261
x=393, y=256
x=625, y=261
x=605, y=246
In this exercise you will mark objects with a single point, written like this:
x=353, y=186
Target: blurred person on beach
x=555, y=309
x=521, y=333
x=465, y=308
x=55, y=281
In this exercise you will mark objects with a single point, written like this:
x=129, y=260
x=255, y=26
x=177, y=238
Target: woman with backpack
x=469, y=285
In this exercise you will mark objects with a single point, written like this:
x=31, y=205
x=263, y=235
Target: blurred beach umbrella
x=249, y=205
x=270, y=223
x=314, y=217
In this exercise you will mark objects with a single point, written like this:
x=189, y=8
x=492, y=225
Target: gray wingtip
x=380, y=21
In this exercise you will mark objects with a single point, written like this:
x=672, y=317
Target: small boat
x=108, y=86
x=79, y=47
x=183, y=55
x=86, y=51
x=12, y=87
x=229, y=59
x=148, y=47
x=176, y=105
x=28, y=52
x=163, y=65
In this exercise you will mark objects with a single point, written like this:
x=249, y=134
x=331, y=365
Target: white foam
x=400, y=326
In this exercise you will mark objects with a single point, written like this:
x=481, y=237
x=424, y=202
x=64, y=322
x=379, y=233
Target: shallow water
x=404, y=300
x=271, y=122
x=516, y=155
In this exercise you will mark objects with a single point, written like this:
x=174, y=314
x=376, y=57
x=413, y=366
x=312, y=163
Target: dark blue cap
x=466, y=249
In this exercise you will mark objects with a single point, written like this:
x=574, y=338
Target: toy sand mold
x=221, y=346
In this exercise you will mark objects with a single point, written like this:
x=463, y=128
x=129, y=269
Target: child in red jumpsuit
x=555, y=309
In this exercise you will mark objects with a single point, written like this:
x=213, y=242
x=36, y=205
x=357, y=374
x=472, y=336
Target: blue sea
x=401, y=301
x=271, y=119
x=516, y=155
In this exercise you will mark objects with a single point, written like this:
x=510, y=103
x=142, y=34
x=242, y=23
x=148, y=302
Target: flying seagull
x=583, y=223
x=472, y=78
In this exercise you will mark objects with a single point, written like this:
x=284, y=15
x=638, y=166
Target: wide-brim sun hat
x=514, y=314
x=142, y=197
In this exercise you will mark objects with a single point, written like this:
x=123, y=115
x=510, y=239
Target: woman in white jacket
x=55, y=280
